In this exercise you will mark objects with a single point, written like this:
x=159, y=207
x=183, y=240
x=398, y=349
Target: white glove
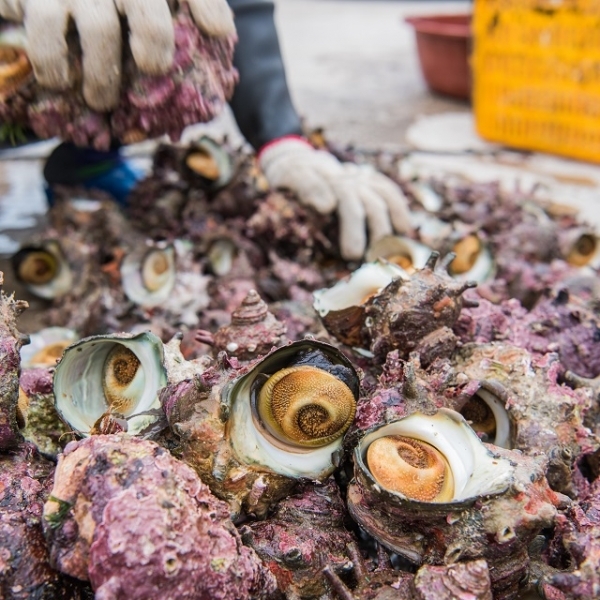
x=151, y=38
x=358, y=193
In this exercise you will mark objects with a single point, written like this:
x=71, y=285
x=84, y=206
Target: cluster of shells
x=220, y=407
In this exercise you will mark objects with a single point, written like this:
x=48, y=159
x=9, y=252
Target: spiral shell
x=473, y=261
x=342, y=307
x=411, y=467
x=472, y=468
x=317, y=382
x=208, y=164
x=46, y=347
x=398, y=250
x=120, y=374
x=148, y=274
x=43, y=269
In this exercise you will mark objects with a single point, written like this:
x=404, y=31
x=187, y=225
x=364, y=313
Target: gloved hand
x=358, y=192
x=151, y=38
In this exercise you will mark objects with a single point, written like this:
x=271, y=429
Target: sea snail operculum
x=306, y=406
x=123, y=379
x=411, y=467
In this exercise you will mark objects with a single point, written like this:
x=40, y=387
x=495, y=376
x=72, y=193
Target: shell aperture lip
x=367, y=281
x=119, y=373
x=155, y=269
x=251, y=440
x=148, y=274
x=493, y=422
x=43, y=269
x=305, y=406
x=475, y=470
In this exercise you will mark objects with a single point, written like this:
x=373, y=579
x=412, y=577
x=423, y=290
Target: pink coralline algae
x=25, y=571
x=11, y=341
x=196, y=88
x=133, y=520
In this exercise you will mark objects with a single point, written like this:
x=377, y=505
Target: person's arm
x=261, y=104
x=265, y=114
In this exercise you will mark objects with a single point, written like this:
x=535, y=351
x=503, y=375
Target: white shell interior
x=220, y=255
x=502, y=437
x=132, y=281
x=483, y=269
x=78, y=391
x=60, y=284
x=369, y=279
x=391, y=245
x=476, y=471
x=42, y=339
x=251, y=445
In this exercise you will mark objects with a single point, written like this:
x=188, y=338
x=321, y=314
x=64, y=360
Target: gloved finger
x=394, y=198
x=46, y=25
x=376, y=211
x=12, y=10
x=99, y=31
x=151, y=37
x=214, y=17
x=351, y=216
x=309, y=185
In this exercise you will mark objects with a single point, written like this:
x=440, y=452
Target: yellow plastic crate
x=536, y=66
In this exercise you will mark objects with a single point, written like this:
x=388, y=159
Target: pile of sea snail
x=236, y=413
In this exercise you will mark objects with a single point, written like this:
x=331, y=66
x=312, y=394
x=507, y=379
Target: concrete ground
x=353, y=68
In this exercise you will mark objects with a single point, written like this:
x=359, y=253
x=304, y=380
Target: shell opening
x=155, y=269
x=583, y=250
x=110, y=374
x=365, y=282
x=46, y=346
x=15, y=70
x=123, y=379
x=221, y=255
x=404, y=252
x=37, y=267
x=202, y=163
x=474, y=470
x=486, y=414
x=467, y=251
x=43, y=269
x=258, y=442
x=305, y=406
x=148, y=275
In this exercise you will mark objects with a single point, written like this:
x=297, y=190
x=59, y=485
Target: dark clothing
x=261, y=102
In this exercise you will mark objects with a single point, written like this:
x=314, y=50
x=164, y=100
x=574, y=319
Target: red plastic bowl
x=444, y=46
